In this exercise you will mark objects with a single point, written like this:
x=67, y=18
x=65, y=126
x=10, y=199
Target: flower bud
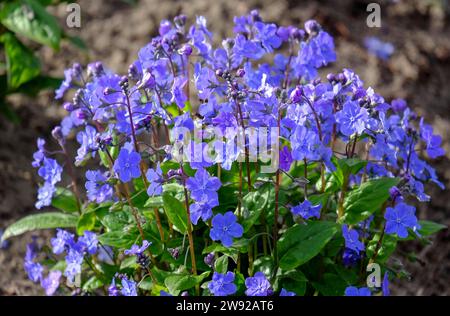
x=209, y=259
x=185, y=50
x=69, y=107
x=312, y=27
x=58, y=135
x=240, y=72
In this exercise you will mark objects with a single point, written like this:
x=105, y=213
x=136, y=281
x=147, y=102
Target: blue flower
x=88, y=242
x=354, y=291
x=385, y=285
x=267, y=34
x=97, y=188
x=178, y=94
x=258, y=285
x=155, y=177
x=50, y=171
x=112, y=289
x=89, y=143
x=377, y=47
x=127, y=165
x=399, y=219
x=74, y=260
x=225, y=228
x=66, y=84
x=34, y=270
x=203, y=187
x=307, y=210
x=128, y=287
x=351, y=239
x=136, y=250
x=352, y=119
x=39, y=155
x=203, y=210
x=51, y=283
x=350, y=257
x=287, y=293
x=222, y=284
x=45, y=195
x=285, y=159
x=62, y=241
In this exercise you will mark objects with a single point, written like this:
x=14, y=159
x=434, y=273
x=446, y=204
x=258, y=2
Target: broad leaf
x=176, y=212
x=429, y=228
x=361, y=202
x=221, y=264
x=176, y=283
x=21, y=63
x=40, y=221
x=86, y=222
x=301, y=243
x=64, y=200
x=30, y=19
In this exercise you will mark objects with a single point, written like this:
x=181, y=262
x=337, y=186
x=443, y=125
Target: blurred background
x=112, y=31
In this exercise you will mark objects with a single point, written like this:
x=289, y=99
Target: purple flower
x=400, y=218
x=433, y=142
x=51, y=283
x=385, y=285
x=34, y=270
x=352, y=119
x=202, y=210
x=128, y=287
x=307, y=210
x=112, y=289
x=45, y=195
x=50, y=171
x=354, y=291
x=39, y=155
x=285, y=159
x=267, y=34
x=89, y=143
x=258, y=285
x=351, y=239
x=69, y=75
x=178, y=94
x=155, y=177
x=74, y=260
x=97, y=188
x=88, y=242
x=399, y=105
x=136, y=250
x=203, y=187
x=62, y=241
x=127, y=165
x=350, y=257
x=377, y=47
x=222, y=284
x=225, y=228
x=287, y=293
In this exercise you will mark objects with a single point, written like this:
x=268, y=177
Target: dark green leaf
x=30, y=19
x=301, y=243
x=221, y=264
x=387, y=247
x=175, y=212
x=361, y=202
x=22, y=65
x=64, y=200
x=86, y=222
x=255, y=203
x=429, y=228
x=176, y=283
x=118, y=239
x=40, y=221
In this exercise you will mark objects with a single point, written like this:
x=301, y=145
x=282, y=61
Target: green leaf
x=388, y=245
x=264, y=264
x=429, y=228
x=86, y=222
x=21, y=63
x=30, y=19
x=331, y=285
x=255, y=203
x=92, y=284
x=34, y=86
x=177, y=283
x=361, y=202
x=40, y=221
x=117, y=220
x=118, y=239
x=65, y=200
x=293, y=281
x=221, y=264
x=175, y=212
x=301, y=243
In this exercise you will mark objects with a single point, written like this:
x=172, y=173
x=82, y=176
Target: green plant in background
x=22, y=24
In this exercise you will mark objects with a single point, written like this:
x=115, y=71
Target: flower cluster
x=190, y=132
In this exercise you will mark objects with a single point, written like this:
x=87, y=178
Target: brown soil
x=114, y=31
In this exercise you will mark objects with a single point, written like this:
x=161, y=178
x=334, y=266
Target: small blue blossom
x=97, y=188
x=89, y=143
x=203, y=187
x=128, y=287
x=88, y=242
x=127, y=165
x=225, y=228
x=63, y=241
x=352, y=119
x=222, y=284
x=258, y=285
x=354, y=291
x=351, y=237
x=51, y=283
x=45, y=195
x=136, y=250
x=34, y=270
x=287, y=293
x=202, y=210
x=39, y=155
x=285, y=159
x=400, y=218
x=377, y=47
x=155, y=178
x=50, y=171
x=74, y=260
x=307, y=210
x=112, y=289
x=385, y=285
